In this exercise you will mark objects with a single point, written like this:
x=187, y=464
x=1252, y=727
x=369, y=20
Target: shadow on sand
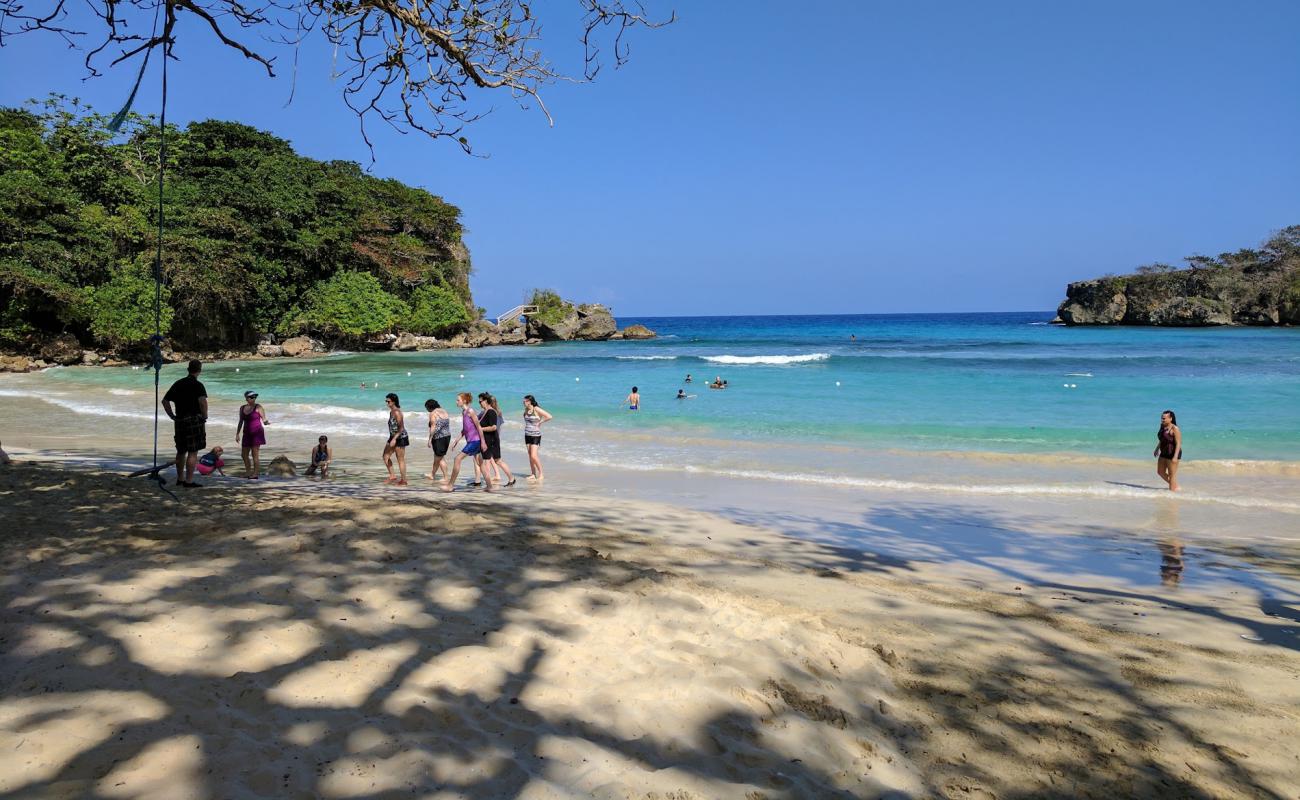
x=83, y=562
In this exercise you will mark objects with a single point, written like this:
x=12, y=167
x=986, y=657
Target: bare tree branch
x=417, y=65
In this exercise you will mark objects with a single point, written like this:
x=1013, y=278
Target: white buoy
x=408, y=374
x=462, y=374
x=577, y=379
x=1065, y=386
x=837, y=383
x=236, y=369
x=1074, y=386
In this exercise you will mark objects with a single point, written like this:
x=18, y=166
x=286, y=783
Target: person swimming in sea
x=681, y=394
x=633, y=400
x=1169, y=449
x=688, y=377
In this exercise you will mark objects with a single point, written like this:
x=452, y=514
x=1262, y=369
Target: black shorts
x=492, y=449
x=191, y=435
x=440, y=446
x=537, y=440
x=402, y=440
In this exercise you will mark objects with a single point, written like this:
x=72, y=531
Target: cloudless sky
x=837, y=157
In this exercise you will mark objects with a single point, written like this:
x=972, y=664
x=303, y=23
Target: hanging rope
x=155, y=341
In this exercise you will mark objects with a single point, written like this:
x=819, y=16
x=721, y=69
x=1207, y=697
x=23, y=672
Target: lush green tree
x=551, y=308
x=122, y=310
x=436, y=310
x=249, y=227
x=352, y=304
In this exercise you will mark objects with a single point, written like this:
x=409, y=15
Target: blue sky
x=878, y=157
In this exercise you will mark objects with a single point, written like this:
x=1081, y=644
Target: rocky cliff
x=1249, y=287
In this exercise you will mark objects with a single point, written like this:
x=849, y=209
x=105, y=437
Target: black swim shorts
x=191, y=435
x=537, y=440
x=440, y=445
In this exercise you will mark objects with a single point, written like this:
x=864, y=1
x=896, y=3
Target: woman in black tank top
x=1169, y=449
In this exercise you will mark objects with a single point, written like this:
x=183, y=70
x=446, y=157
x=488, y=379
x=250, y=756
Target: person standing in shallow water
x=252, y=422
x=397, y=442
x=473, y=436
x=1169, y=449
x=633, y=399
x=534, y=416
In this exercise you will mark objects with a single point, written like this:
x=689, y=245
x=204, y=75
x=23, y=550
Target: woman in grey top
x=439, y=437
x=534, y=416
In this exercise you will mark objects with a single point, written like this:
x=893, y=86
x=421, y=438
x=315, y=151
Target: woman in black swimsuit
x=1169, y=449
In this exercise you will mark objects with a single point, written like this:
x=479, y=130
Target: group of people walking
x=186, y=403
x=479, y=430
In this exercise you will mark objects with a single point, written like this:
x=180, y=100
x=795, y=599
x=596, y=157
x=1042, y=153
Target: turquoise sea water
x=984, y=383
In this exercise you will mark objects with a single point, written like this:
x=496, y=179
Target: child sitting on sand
x=211, y=462
x=321, y=456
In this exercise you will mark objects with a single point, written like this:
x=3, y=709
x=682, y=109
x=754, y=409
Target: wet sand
x=294, y=639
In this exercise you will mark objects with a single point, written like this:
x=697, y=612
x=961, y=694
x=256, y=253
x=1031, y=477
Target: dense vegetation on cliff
x=258, y=239
x=1247, y=287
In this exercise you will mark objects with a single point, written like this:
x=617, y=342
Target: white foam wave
x=646, y=358
x=124, y=392
x=743, y=360
x=1015, y=489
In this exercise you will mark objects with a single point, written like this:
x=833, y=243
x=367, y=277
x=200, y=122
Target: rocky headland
x=1248, y=287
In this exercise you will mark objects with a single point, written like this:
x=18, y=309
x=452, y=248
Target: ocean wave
x=646, y=358
x=745, y=360
x=1013, y=489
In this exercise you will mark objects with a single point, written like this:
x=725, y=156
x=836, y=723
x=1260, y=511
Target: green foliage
x=1155, y=269
x=122, y=310
x=250, y=226
x=551, y=308
x=435, y=310
x=353, y=304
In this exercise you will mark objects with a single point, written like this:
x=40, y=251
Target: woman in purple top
x=472, y=433
x=252, y=424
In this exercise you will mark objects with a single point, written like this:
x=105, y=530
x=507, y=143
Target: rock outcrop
x=1263, y=292
x=637, y=332
x=63, y=349
x=588, y=322
x=301, y=346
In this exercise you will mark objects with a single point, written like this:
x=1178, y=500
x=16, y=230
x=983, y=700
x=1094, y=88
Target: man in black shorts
x=186, y=402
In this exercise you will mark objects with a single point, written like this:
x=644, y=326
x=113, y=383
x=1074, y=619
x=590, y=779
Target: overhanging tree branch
x=417, y=65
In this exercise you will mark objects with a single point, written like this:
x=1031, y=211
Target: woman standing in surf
x=397, y=442
x=534, y=416
x=473, y=436
x=252, y=424
x=1169, y=449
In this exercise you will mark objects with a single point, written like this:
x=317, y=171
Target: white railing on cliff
x=515, y=313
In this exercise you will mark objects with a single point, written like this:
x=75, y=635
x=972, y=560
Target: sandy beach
x=298, y=640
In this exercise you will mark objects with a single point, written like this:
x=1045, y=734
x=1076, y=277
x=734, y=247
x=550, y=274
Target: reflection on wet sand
x=1171, y=561
x=1171, y=547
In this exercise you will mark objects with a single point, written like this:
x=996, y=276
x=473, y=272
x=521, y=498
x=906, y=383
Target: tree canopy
x=252, y=231
x=414, y=64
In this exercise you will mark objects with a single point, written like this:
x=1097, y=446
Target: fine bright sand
x=279, y=643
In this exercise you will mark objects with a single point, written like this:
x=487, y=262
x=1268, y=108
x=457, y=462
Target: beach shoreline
x=360, y=639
